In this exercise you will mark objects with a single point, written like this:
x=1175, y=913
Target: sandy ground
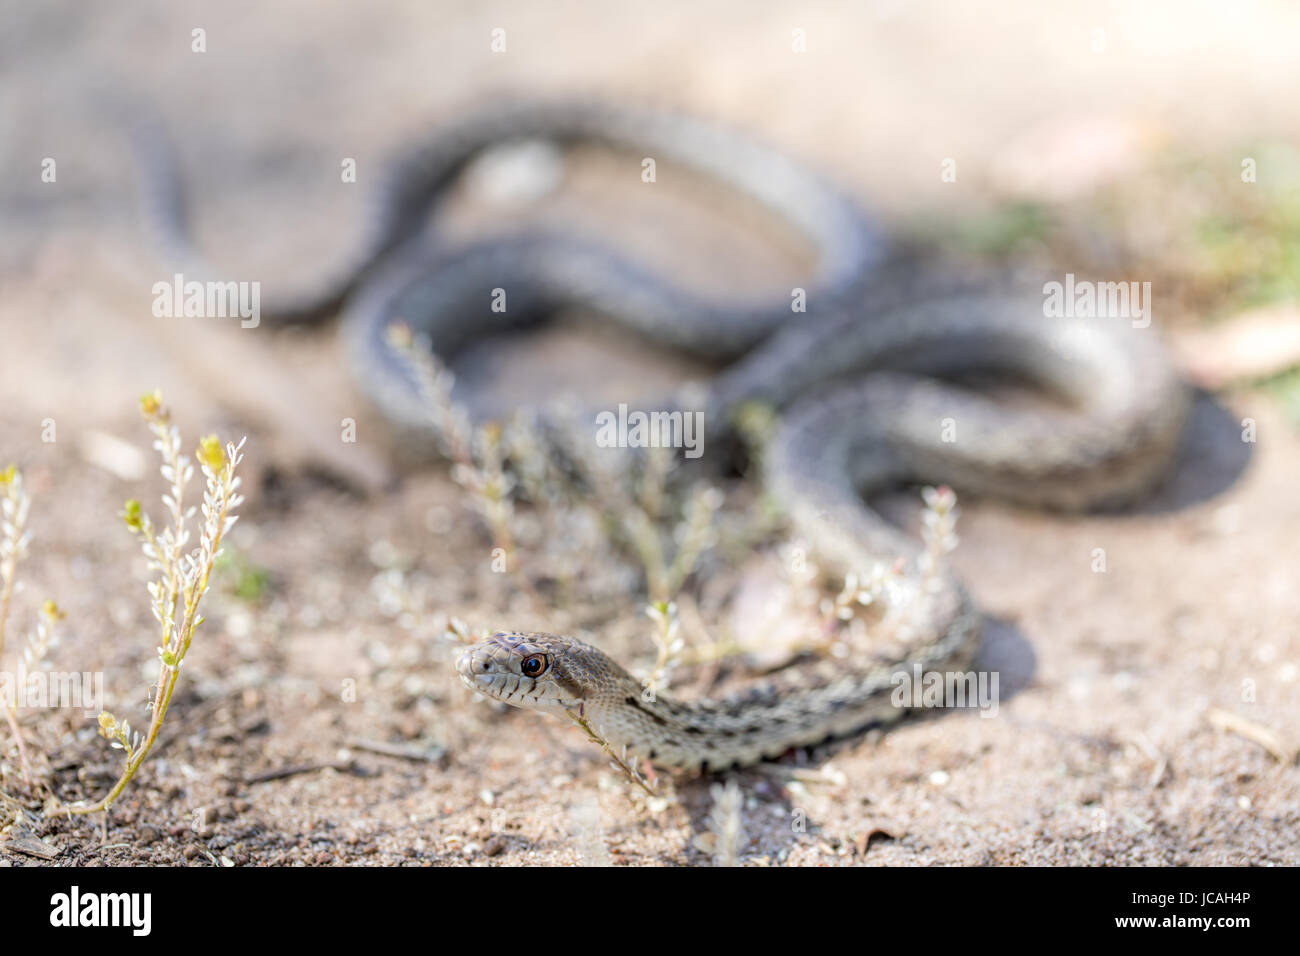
x=1102, y=750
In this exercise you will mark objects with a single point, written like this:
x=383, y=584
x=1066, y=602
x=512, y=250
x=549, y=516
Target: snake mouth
x=475, y=669
x=485, y=669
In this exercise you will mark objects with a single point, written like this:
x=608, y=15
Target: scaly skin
x=835, y=445
x=855, y=415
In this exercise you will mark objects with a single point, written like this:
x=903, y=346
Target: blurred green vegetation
x=1186, y=222
x=247, y=581
x=1285, y=389
x=1001, y=232
x=1256, y=256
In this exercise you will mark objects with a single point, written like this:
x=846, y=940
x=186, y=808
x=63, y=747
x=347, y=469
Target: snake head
x=534, y=671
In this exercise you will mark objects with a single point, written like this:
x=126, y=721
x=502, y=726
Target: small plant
x=635, y=519
x=477, y=455
x=15, y=505
x=938, y=527
x=670, y=646
x=183, y=575
x=621, y=760
x=694, y=535
x=491, y=462
x=726, y=828
x=842, y=610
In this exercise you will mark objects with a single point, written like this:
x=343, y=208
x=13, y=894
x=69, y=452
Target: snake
x=836, y=445
x=871, y=386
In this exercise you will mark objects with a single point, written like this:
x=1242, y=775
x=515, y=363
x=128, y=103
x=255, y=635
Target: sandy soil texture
x=317, y=723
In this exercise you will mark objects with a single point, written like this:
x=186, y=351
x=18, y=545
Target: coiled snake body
x=854, y=380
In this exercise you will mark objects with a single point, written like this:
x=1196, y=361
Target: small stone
x=705, y=842
x=495, y=846
x=862, y=842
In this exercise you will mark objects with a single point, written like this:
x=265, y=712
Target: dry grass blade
x=1266, y=737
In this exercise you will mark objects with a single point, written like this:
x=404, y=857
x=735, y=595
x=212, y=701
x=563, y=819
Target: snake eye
x=533, y=665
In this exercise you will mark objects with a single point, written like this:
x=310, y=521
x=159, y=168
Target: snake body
x=839, y=443
x=854, y=381
x=413, y=183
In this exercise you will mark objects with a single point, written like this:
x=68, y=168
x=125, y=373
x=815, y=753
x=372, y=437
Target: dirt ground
x=318, y=723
